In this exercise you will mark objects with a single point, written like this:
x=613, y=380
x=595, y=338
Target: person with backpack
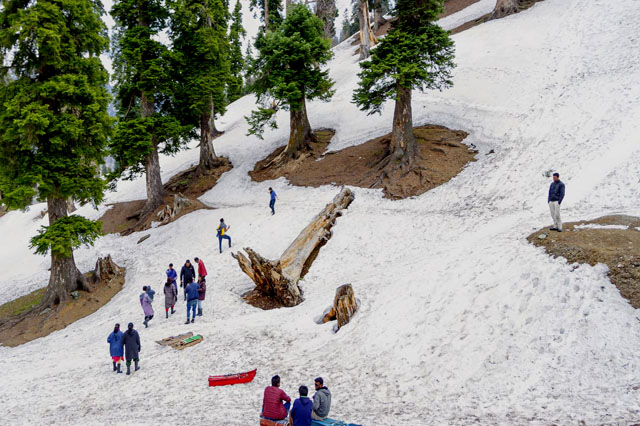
x=145, y=302
x=170, y=297
x=202, y=292
x=302, y=408
x=115, y=347
x=187, y=274
x=273, y=407
x=272, y=203
x=223, y=228
x=131, y=343
x=192, y=300
x=321, y=400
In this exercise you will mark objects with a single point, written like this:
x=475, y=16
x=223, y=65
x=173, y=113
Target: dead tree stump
x=344, y=307
x=278, y=279
x=106, y=269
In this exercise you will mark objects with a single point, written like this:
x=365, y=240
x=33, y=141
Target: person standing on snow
x=150, y=292
x=202, y=292
x=170, y=297
x=115, y=347
x=222, y=233
x=556, y=195
x=145, y=302
x=302, y=408
x=321, y=400
x=187, y=274
x=272, y=402
x=202, y=270
x=272, y=203
x=131, y=343
x=172, y=276
x=192, y=300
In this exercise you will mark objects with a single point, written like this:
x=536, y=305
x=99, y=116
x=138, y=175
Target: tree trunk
x=367, y=38
x=378, y=16
x=344, y=306
x=300, y=132
x=207, y=132
x=65, y=276
x=403, y=142
x=155, y=190
x=266, y=15
x=278, y=279
x=508, y=7
x=325, y=11
x=288, y=5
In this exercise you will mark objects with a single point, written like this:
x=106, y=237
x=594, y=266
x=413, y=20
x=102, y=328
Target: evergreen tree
x=144, y=89
x=416, y=54
x=327, y=11
x=54, y=123
x=270, y=12
x=199, y=35
x=288, y=74
x=236, y=34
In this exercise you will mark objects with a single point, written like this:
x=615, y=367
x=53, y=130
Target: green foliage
x=416, y=54
x=236, y=34
x=143, y=69
x=275, y=11
x=287, y=69
x=54, y=123
x=199, y=33
x=65, y=235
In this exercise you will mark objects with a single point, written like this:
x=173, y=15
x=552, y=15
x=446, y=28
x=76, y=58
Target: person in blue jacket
x=272, y=203
x=302, y=407
x=192, y=300
x=115, y=348
x=172, y=275
x=556, y=195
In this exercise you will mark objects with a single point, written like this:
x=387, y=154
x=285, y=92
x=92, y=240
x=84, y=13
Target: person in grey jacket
x=321, y=400
x=131, y=343
x=556, y=195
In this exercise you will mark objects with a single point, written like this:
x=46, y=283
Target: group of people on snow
x=124, y=346
x=276, y=404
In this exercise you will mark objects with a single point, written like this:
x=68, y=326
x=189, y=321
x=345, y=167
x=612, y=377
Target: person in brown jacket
x=170, y=297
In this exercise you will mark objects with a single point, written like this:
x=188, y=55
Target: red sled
x=232, y=379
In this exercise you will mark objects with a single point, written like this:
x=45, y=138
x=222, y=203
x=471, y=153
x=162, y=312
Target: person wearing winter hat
x=115, y=347
x=321, y=400
x=170, y=297
x=131, y=343
x=145, y=302
x=302, y=408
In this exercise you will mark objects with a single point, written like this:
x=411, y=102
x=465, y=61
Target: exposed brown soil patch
x=442, y=152
x=260, y=300
x=123, y=217
x=617, y=248
x=35, y=325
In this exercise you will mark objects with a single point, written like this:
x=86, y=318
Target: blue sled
x=331, y=422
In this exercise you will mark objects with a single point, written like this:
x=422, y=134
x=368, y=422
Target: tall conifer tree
x=54, y=123
x=236, y=34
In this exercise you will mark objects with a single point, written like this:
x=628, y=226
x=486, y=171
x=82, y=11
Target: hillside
x=461, y=319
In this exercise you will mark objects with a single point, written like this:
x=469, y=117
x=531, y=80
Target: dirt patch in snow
x=35, y=325
x=600, y=242
x=123, y=217
x=442, y=152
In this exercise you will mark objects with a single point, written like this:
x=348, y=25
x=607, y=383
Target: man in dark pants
x=556, y=195
x=187, y=274
x=131, y=343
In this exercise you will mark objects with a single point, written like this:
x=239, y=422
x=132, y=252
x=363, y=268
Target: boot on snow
x=137, y=366
x=192, y=320
x=200, y=312
x=114, y=366
x=166, y=314
x=188, y=322
x=146, y=323
x=128, y=369
x=119, y=371
x=173, y=311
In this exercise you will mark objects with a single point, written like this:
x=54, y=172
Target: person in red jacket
x=202, y=270
x=273, y=407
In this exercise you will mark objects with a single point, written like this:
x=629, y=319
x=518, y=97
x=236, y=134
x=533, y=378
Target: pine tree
x=327, y=12
x=236, y=34
x=270, y=12
x=54, y=124
x=199, y=35
x=144, y=88
x=415, y=54
x=288, y=74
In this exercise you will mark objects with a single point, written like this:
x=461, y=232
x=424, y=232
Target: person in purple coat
x=145, y=302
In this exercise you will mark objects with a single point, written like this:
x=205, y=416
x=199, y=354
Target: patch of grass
x=22, y=304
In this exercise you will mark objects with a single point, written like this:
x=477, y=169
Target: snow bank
x=598, y=226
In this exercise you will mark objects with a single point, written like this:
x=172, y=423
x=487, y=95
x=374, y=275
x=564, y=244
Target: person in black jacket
x=556, y=195
x=131, y=343
x=187, y=274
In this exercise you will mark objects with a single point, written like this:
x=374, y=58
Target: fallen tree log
x=278, y=279
x=344, y=307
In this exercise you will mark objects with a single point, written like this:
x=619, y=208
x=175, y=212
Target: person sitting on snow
x=302, y=408
x=321, y=400
x=272, y=402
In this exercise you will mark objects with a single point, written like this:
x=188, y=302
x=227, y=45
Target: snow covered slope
x=461, y=319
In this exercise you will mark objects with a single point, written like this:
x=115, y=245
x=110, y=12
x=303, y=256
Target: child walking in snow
x=170, y=297
x=145, y=302
x=115, y=347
